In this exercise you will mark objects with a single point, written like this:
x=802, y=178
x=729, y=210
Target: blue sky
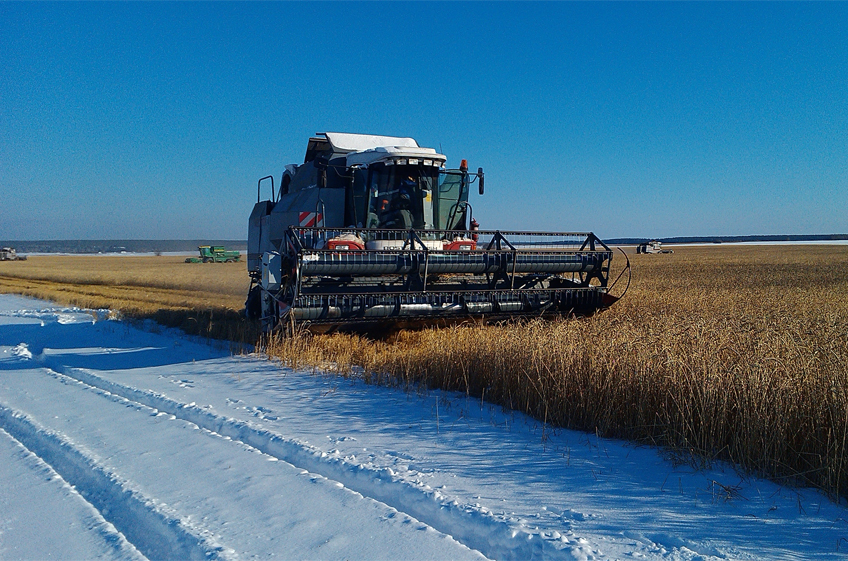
x=155, y=120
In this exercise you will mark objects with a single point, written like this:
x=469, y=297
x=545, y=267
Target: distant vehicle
x=215, y=254
x=652, y=246
x=9, y=254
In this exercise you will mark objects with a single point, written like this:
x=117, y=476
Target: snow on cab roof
x=349, y=142
x=364, y=149
x=428, y=156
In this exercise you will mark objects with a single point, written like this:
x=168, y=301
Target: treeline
x=117, y=246
x=733, y=239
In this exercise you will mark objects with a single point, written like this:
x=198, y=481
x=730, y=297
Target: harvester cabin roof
x=341, y=143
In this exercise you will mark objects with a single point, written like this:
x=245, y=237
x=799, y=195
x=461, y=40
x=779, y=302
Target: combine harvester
x=215, y=254
x=9, y=254
x=373, y=232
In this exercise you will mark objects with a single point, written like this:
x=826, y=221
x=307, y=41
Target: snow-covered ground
x=125, y=443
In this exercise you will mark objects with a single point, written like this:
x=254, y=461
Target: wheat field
x=736, y=353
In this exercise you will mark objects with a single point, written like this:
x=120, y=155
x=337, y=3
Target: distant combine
x=9, y=254
x=652, y=246
x=215, y=254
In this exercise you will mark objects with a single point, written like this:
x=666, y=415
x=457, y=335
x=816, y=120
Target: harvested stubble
x=738, y=354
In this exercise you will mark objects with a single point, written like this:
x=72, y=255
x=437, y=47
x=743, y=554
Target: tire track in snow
x=94, y=521
x=156, y=533
x=475, y=528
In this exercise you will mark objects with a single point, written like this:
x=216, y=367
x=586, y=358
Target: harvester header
x=375, y=231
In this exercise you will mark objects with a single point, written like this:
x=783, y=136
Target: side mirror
x=480, y=175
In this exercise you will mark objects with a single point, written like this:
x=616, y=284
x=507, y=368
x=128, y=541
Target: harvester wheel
x=206, y=260
x=253, y=305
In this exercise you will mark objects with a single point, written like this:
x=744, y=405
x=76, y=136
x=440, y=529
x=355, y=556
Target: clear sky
x=155, y=121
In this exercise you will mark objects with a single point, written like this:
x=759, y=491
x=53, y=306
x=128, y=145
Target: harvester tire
x=253, y=305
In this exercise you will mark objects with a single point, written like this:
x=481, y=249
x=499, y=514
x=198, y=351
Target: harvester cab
x=374, y=230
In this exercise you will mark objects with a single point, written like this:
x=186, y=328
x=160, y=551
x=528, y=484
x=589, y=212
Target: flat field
x=128, y=283
x=201, y=298
x=736, y=353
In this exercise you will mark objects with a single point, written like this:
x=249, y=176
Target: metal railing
x=486, y=240
x=423, y=253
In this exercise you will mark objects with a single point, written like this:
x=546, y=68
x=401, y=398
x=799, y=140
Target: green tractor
x=215, y=254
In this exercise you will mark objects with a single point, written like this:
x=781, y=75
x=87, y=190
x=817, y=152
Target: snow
x=123, y=443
